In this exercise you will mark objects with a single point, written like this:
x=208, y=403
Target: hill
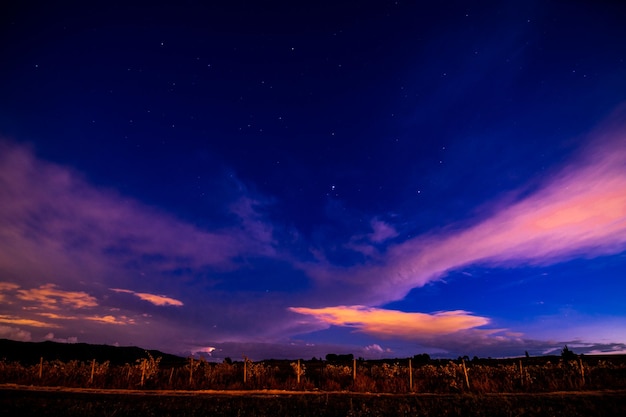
x=31, y=352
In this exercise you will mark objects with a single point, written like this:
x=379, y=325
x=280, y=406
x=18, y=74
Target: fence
x=401, y=376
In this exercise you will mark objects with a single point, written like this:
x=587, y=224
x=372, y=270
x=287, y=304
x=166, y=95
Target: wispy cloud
x=579, y=211
x=382, y=231
x=56, y=226
x=157, y=300
x=68, y=243
x=51, y=297
x=64, y=242
x=25, y=322
x=5, y=288
x=109, y=319
x=56, y=305
x=120, y=320
x=397, y=324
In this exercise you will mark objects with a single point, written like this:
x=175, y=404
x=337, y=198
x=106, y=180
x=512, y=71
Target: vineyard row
x=359, y=376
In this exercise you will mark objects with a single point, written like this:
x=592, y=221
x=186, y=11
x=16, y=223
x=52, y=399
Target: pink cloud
x=59, y=234
x=382, y=231
x=391, y=323
x=579, y=211
x=157, y=300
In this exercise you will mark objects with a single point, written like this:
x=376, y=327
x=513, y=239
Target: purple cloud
x=65, y=243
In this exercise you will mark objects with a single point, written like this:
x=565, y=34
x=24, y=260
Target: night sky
x=291, y=179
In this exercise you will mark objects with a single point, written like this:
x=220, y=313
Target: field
x=137, y=382
x=398, y=376
x=25, y=401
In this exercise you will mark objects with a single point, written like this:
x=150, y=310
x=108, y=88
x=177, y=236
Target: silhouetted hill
x=31, y=352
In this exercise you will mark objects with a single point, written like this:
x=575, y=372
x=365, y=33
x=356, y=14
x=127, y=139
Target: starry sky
x=290, y=179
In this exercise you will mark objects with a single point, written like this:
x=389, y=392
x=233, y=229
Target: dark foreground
x=20, y=401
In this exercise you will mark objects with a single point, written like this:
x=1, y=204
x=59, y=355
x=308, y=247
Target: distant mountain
x=31, y=352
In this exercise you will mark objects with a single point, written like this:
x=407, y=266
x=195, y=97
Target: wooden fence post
x=143, y=371
x=245, y=369
x=521, y=372
x=582, y=370
x=298, y=371
x=40, y=367
x=465, y=372
x=410, y=376
x=354, y=369
x=93, y=368
x=190, y=370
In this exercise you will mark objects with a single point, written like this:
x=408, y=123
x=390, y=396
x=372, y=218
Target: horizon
x=380, y=179
x=325, y=358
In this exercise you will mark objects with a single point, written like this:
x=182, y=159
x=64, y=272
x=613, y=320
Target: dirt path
x=274, y=393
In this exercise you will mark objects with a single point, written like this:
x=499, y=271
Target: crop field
x=525, y=375
x=147, y=387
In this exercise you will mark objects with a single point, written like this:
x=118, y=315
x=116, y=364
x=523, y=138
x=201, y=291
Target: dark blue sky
x=382, y=178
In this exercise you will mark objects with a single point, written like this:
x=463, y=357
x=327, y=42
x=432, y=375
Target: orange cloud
x=391, y=323
x=6, y=287
x=121, y=320
x=157, y=300
x=109, y=319
x=57, y=316
x=51, y=297
x=24, y=322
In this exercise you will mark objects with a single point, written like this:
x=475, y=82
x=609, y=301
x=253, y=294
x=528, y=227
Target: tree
x=422, y=359
x=567, y=354
x=334, y=358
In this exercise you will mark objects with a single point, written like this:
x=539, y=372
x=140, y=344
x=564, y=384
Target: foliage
x=532, y=375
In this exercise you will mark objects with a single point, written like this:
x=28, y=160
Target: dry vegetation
x=527, y=375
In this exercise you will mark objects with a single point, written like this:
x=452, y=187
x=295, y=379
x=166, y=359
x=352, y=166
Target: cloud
x=7, y=287
x=120, y=320
x=157, y=300
x=578, y=211
x=56, y=316
x=391, y=323
x=50, y=336
x=24, y=321
x=69, y=244
x=66, y=241
x=49, y=296
x=54, y=225
x=374, y=348
x=14, y=333
x=109, y=319
x=203, y=351
x=382, y=231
